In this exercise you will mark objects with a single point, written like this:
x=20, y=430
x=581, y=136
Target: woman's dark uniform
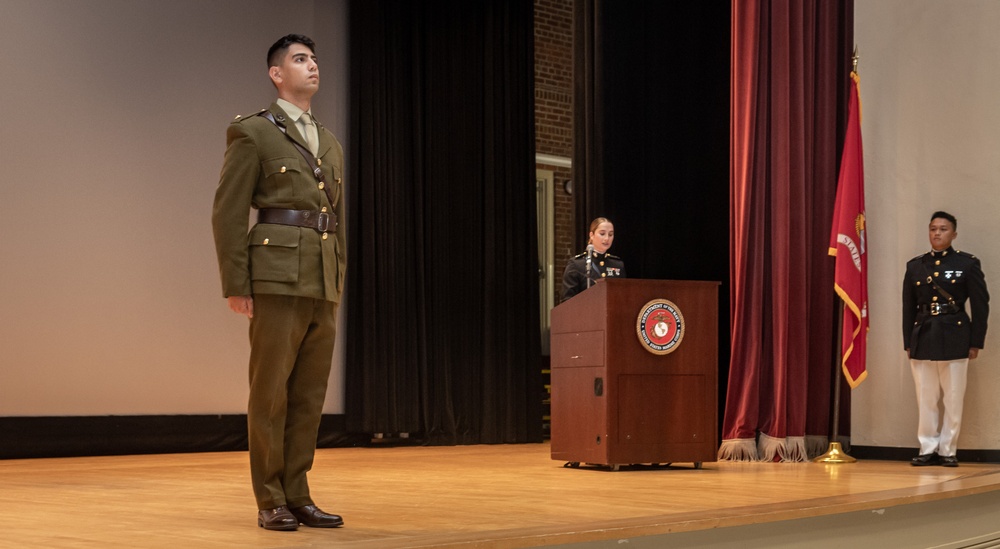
x=601, y=266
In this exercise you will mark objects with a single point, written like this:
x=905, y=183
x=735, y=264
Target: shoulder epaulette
x=241, y=117
x=966, y=254
x=580, y=255
x=613, y=257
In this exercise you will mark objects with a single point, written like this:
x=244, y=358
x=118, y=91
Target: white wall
x=930, y=76
x=111, y=141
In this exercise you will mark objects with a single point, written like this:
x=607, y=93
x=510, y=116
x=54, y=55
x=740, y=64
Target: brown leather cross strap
x=311, y=219
x=310, y=159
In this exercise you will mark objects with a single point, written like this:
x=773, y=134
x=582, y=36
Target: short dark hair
x=948, y=216
x=277, y=50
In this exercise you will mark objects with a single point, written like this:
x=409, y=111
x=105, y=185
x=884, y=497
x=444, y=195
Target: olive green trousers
x=291, y=350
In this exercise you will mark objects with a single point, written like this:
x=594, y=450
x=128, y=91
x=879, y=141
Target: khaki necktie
x=311, y=134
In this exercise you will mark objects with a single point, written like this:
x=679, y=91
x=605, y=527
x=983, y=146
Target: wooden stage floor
x=475, y=496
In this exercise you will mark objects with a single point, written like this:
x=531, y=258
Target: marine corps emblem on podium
x=660, y=327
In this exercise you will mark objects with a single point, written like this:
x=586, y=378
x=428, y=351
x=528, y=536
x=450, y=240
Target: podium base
x=834, y=455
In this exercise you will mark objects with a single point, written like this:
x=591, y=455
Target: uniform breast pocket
x=279, y=178
x=274, y=253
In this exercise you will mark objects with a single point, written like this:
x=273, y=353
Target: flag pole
x=834, y=453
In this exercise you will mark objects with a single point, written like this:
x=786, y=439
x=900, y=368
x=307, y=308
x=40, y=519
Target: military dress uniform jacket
x=263, y=169
x=933, y=329
x=601, y=266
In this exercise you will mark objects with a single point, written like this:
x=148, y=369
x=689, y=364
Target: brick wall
x=554, y=115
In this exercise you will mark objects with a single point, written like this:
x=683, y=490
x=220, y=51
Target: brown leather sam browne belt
x=311, y=219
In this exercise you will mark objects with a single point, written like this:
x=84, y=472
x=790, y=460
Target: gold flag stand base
x=834, y=455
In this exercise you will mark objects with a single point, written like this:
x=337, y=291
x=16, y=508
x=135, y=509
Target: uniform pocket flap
x=959, y=319
x=284, y=236
x=280, y=165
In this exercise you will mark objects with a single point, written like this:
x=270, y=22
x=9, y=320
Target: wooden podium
x=616, y=402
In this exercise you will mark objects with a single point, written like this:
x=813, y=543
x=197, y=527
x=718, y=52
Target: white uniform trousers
x=939, y=382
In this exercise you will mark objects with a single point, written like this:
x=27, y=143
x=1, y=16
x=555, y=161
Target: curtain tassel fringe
x=738, y=449
x=816, y=445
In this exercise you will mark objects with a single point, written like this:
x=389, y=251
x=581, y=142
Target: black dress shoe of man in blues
x=949, y=461
x=926, y=459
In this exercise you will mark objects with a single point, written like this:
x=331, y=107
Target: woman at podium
x=595, y=263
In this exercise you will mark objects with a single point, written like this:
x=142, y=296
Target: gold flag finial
x=854, y=60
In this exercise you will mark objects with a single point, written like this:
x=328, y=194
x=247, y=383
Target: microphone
x=590, y=252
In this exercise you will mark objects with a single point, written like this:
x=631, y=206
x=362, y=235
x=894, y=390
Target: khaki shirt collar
x=293, y=112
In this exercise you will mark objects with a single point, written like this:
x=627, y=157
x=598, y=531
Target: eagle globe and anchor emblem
x=660, y=326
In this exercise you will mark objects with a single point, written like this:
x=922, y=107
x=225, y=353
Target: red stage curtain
x=789, y=88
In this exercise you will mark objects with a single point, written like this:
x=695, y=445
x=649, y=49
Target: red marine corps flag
x=848, y=243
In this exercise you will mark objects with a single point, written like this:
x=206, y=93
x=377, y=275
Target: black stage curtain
x=442, y=288
x=651, y=132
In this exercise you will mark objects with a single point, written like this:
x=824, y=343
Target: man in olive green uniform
x=286, y=275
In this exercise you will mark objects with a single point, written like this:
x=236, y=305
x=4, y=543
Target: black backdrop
x=654, y=141
x=442, y=322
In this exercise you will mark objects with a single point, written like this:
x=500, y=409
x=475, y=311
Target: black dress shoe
x=926, y=459
x=949, y=461
x=278, y=518
x=312, y=516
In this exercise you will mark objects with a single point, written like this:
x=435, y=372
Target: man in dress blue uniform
x=940, y=337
